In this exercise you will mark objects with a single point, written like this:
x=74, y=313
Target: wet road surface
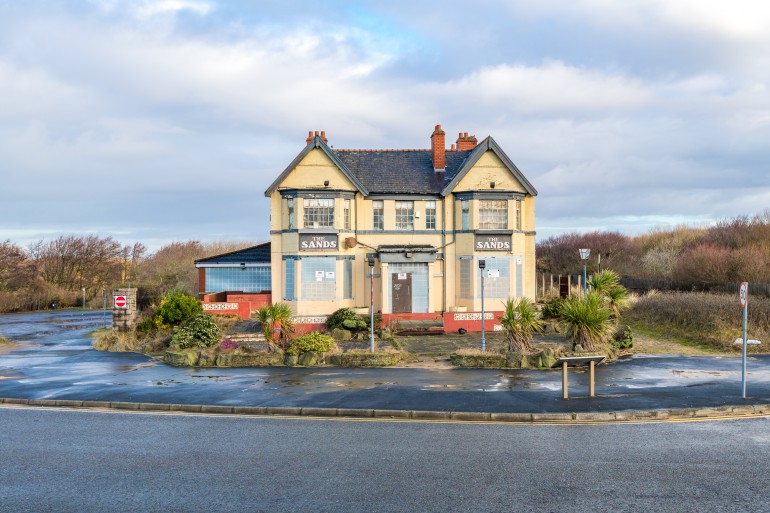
x=55, y=361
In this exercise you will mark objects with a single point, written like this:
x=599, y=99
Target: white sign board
x=493, y=273
x=401, y=276
x=744, y=293
x=319, y=276
x=329, y=275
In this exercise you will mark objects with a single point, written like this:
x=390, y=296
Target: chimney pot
x=466, y=142
x=309, y=136
x=323, y=136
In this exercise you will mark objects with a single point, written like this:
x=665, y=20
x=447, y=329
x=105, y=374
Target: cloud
x=151, y=8
x=620, y=113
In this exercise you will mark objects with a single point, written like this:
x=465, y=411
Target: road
x=91, y=461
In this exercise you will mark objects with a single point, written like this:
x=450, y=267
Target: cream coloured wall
x=489, y=168
x=443, y=278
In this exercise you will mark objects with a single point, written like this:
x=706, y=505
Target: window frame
x=430, y=215
x=378, y=214
x=323, y=211
x=404, y=215
x=493, y=214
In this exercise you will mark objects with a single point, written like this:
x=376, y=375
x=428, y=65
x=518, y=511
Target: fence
x=548, y=285
x=758, y=289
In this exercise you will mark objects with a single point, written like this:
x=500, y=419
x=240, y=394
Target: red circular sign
x=120, y=301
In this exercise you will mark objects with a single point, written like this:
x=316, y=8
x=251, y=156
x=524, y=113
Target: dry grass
x=128, y=342
x=700, y=319
x=467, y=351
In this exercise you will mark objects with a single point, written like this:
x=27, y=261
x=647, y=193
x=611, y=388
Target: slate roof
x=253, y=255
x=401, y=171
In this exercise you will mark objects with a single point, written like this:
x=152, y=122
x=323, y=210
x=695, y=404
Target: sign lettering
x=211, y=307
x=473, y=316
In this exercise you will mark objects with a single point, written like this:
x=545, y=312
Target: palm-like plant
x=604, y=281
x=618, y=299
x=520, y=321
x=277, y=316
x=587, y=322
x=607, y=284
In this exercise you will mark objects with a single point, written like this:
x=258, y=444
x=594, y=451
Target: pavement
x=55, y=366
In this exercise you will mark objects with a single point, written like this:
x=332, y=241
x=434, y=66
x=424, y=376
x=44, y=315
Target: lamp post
x=84, y=298
x=482, y=265
x=584, y=254
x=370, y=260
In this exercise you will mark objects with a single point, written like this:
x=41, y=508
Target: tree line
x=731, y=250
x=55, y=272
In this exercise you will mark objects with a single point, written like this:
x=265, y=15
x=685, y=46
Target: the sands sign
x=493, y=243
x=321, y=242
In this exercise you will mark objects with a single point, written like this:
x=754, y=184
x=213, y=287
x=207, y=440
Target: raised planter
x=378, y=359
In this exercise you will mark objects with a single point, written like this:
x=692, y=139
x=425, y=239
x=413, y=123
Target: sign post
x=744, y=294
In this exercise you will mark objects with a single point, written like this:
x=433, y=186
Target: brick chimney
x=438, y=149
x=466, y=142
x=321, y=134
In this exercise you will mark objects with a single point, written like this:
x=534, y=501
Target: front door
x=401, y=290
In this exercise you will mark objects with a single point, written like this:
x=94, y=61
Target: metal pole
x=585, y=285
x=743, y=372
x=84, y=298
x=483, y=339
x=371, y=308
x=104, y=316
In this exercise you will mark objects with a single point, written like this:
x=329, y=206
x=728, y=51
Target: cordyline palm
x=587, y=322
x=604, y=281
x=607, y=284
x=520, y=321
x=272, y=317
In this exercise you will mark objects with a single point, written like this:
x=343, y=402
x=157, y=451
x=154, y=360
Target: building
x=235, y=283
x=424, y=218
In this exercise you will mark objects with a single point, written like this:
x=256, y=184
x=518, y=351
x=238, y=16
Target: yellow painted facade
x=323, y=231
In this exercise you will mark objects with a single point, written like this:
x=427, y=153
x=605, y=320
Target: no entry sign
x=120, y=301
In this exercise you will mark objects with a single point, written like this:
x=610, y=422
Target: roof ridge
x=385, y=150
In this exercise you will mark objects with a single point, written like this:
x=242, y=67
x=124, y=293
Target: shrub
x=227, y=345
x=199, y=331
x=176, y=308
x=587, y=321
x=623, y=338
x=338, y=318
x=316, y=342
x=520, y=320
x=551, y=308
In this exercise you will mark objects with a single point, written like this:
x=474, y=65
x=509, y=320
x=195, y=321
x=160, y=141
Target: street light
x=84, y=298
x=482, y=265
x=370, y=260
x=584, y=254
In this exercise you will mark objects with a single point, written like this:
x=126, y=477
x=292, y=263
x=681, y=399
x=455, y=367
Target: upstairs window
x=465, y=205
x=518, y=214
x=430, y=215
x=378, y=214
x=346, y=213
x=319, y=213
x=292, y=221
x=405, y=215
x=493, y=214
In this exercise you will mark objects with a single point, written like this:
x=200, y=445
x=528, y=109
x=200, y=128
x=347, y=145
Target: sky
x=165, y=120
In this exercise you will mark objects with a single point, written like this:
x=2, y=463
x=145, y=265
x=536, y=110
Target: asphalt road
x=115, y=462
